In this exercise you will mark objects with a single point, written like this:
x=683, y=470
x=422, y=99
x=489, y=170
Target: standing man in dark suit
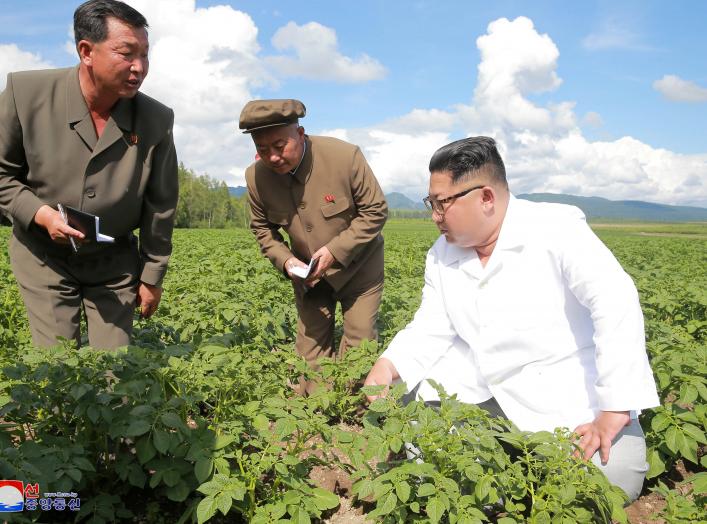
x=321, y=191
x=84, y=137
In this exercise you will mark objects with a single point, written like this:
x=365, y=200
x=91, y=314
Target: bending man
x=322, y=192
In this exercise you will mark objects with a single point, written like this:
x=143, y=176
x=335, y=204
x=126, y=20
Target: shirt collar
x=511, y=236
x=77, y=109
x=304, y=152
x=304, y=168
x=513, y=232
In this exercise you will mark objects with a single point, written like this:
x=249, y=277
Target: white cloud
x=12, y=58
x=678, y=90
x=593, y=119
x=316, y=56
x=204, y=64
x=614, y=34
x=543, y=146
x=515, y=61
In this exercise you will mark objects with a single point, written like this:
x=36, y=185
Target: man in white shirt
x=523, y=307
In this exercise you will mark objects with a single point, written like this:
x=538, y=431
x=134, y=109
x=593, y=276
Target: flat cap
x=258, y=114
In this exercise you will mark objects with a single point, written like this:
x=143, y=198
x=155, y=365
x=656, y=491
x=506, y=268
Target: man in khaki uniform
x=321, y=191
x=84, y=137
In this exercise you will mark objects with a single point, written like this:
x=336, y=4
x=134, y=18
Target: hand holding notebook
x=87, y=223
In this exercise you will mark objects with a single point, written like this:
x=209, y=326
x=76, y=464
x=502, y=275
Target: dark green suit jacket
x=49, y=154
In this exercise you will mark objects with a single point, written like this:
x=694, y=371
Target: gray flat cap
x=259, y=114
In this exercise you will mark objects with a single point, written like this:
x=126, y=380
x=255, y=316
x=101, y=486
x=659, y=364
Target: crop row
x=197, y=422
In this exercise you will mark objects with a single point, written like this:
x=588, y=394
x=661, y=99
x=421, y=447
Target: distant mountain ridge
x=593, y=207
x=597, y=207
x=237, y=190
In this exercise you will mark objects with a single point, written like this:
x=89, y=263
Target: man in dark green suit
x=85, y=137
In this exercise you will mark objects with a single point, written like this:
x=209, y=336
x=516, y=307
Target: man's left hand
x=148, y=298
x=599, y=433
x=324, y=261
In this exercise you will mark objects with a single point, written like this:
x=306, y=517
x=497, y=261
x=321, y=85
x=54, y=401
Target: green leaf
x=222, y=441
x=387, y=504
x=203, y=469
x=660, y=422
x=224, y=503
x=688, y=448
x=380, y=405
x=178, y=492
x=261, y=423
x=137, y=477
x=344, y=437
x=671, y=437
x=435, y=509
x=695, y=433
x=699, y=483
x=172, y=420
x=206, y=509
x=300, y=516
x=396, y=444
x=93, y=413
x=402, y=489
x=142, y=411
x=83, y=463
x=655, y=463
x=171, y=477
x=145, y=450
x=74, y=473
x=425, y=490
x=324, y=499
x=482, y=488
x=161, y=440
x=363, y=488
x=688, y=394
x=138, y=427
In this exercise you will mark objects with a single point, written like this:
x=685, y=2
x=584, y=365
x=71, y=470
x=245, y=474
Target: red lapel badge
x=329, y=198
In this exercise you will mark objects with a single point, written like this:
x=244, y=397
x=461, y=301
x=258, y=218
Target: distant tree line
x=205, y=202
x=408, y=213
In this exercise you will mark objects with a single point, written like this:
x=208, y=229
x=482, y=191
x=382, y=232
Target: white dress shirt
x=551, y=326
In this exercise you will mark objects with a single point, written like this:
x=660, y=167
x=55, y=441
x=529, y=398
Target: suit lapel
x=77, y=116
x=79, y=119
x=118, y=124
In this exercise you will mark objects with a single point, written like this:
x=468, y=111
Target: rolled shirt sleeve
x=428, y=337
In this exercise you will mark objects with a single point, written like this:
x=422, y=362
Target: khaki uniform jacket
x=49, y=154
x=333, y=199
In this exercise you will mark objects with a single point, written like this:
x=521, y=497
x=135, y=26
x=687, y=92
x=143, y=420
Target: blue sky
x=595, y=98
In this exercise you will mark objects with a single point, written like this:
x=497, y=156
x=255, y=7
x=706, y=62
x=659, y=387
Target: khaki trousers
x=56, y=288
x=316, y=308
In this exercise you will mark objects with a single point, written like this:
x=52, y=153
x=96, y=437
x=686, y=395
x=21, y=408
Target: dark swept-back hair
x=90, y=19
x=468, y=156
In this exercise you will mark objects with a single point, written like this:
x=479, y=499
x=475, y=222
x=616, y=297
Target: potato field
x=196, y=422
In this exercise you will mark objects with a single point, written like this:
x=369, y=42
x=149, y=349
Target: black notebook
x=87, y=223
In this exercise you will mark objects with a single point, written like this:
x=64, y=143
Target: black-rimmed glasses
x=438, y=206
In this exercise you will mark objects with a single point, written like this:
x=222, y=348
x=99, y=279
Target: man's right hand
x=383, y=373
x=292, y=263
x=51, y=220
